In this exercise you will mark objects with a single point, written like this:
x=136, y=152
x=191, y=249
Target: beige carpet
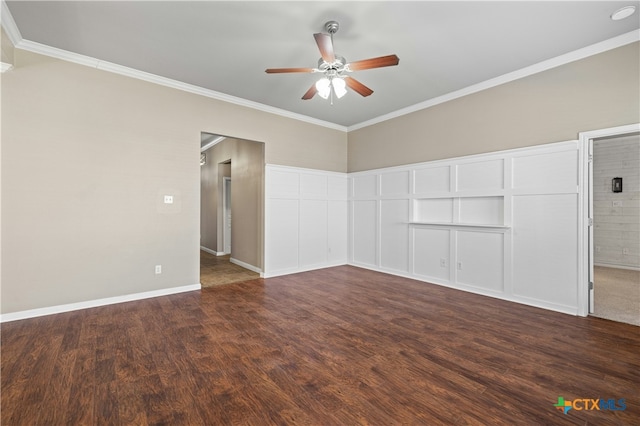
x=617, y=295
x=218, y=270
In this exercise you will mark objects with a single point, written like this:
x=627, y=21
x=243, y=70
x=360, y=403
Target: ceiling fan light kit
x=334, y=68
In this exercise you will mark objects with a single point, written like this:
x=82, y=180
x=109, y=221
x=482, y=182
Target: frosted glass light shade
x=323, y=87
x=339, y=87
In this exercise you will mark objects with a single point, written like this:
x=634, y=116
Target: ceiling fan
x=336, y=67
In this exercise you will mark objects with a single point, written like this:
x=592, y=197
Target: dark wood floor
x=340, y=346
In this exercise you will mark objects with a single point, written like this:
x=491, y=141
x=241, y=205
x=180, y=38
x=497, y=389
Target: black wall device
x=616, y=184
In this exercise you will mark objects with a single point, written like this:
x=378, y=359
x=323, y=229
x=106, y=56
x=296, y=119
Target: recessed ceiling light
x=625, y=12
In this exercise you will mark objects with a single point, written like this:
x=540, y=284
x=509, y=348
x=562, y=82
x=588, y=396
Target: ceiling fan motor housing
x=336, y=66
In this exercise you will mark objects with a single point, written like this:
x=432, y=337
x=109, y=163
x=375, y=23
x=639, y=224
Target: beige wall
x=597, y=92
x=87, y=156
x=247, y=176
x=6, y=48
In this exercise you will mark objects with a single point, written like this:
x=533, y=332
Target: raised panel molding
x=470, y=220
x=306, y=217
x=432, y=180
x=394, y=235
x=365, y=186
x=431, y=254
x=482, y=175
x=396, y=183
x=364, y=231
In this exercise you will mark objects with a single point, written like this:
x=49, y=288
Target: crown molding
x=585, y=52
x=9, y=25
x=14, y=35
x=4, y=67
x=213, y=142
x=54, y=52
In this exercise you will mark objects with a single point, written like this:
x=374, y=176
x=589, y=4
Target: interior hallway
x=218, y=270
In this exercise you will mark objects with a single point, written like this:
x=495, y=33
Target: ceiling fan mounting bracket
x=332, y=27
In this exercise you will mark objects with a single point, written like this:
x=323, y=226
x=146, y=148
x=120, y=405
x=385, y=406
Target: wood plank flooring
x=218, y=270
x=339, y=346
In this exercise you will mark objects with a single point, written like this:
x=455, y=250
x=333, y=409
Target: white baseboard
x=570, y=310
x=612, y=266
x=33, y=313
x=246, y=266
x=213, y=252
x=296, y=270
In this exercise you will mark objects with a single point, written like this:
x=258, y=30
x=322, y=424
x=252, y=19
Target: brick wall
x=617, y=215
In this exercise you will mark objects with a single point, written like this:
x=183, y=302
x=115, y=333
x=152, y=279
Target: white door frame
x=585, y=208
x=226, y=236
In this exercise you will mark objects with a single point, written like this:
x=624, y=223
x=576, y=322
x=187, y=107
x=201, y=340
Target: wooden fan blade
x=310, y=93
x=326, y=47
x=357, y=86
x=382, y=61
x=282, y=70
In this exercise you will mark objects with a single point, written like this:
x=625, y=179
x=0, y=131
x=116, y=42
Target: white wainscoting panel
x=433, y=210
x=338, y=230
x=365, y=186
x=545, y=249
x=365, y=232
x=503, y=224
x=313, y=233
x=394, y=183
x=545, y=172
x=480, y=259
x=306, y=214
x=314, y=186
x=431, y=254
x=284, y=183
x=394, y=235
x=481, y=175
x=432, y=180
x=281, y=245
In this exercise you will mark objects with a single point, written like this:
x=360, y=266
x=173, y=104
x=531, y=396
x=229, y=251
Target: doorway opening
x=231, y=220
x=613, y=205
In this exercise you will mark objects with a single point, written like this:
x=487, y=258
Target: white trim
x=42, y=49
x=470, y=289
x=226, y=207
x=576, y=55
x=33, y=313
x=296, y=270
x=583, y=196
x=612, y=266
x=4, y=67
x=212, y=143
x=246, y=265
x=163, y=81
x=213, y=252
x=472, y=158
x=54, y=52
x=9, y=25
x=305, y=170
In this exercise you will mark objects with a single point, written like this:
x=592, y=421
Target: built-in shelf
x=483, y=212
x=463, y=225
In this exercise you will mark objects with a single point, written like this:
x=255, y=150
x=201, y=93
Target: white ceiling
x=226, y=46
